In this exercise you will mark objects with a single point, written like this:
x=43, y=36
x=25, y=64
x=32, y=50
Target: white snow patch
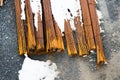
x=100, y=17
x=96, y=1
x=101, y=30
x=60, y=11
x=36, y=9
x=38, y=70
x=106, y=63
x=85, y=56
x=23, y=9
x=92, y=51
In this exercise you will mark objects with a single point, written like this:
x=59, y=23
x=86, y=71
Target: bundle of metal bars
x=38, y=32
x=92, y=29
x=1, y=2
x=96, y=32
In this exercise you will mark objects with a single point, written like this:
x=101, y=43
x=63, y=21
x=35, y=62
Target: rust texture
x=48, y=37
x=51, y=41
x=39, y=36
x=87, y=25
x=71, y=48
x=80, y=35
x=20, y=28
x=1, y=2
x=31, y=42
x=96, y=30
x=60, y=44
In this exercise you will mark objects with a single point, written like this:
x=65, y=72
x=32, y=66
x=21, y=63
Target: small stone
x=85, y=56
x=106, y=63
x=11, y=57
x=6, y=37
x=104, y=36
x=7, y=60
x=91, y=60
x=114, y=50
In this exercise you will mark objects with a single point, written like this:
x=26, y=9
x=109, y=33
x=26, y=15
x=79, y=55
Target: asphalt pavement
x=71, y=68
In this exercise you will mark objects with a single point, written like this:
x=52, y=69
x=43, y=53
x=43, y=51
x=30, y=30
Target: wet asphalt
x=71, y=68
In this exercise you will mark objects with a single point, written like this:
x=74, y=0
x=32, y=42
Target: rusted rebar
x=1, y=2
x=96, y=29
x=20, y=28
x=40, y=36
x=31, y=41
x=60, y=44
x=51, y=41
x=80, y=35
x=87, y=25
x=71, y=48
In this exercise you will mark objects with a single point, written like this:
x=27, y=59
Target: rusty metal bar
x=20, y=28
x=80, y=35
x=1, y=2
x=60, y=44
x=51, y=41
x=71, y=48
x=87, y=25
x=40, y=36
x=96, y=29
x=31, y=41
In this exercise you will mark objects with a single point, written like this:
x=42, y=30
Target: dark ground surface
x=74, y=68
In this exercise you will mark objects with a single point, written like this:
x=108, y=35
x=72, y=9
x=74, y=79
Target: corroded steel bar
x=1, y=2
x=20, y=28
x=96, y=29
x=71, y=48
x=87, y=25
x=80, y=35
x=31, y=41
x=60, y=44
x=39, y=36
x=51, y=41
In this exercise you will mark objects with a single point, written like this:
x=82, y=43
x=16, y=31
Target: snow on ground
x=61, y=10
x=38, y=70
x=36, y=9
x=65, y=9
x=100, y=17
x=100, y=20
x=23, y=9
